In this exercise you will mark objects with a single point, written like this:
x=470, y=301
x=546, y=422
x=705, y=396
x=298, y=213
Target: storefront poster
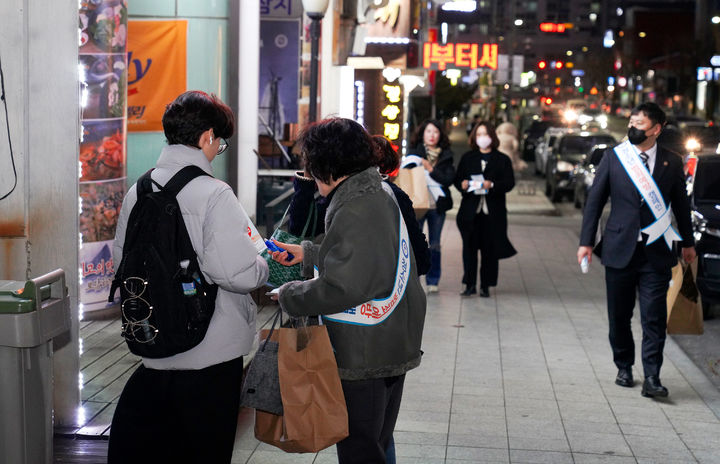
x=96, y=274
x=103, y=77
x=157, y=73
x=100, y=204
x=102, y=150
x=104, y=80
x=103, y=26
x=279, y=64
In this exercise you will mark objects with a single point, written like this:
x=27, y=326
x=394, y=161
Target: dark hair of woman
x=194, y=112
x=336, y=147
x=490, y=131
x=417, y=137
x=388, y=159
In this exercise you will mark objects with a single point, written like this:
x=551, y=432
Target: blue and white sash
x=644, y=182
x=375, y=311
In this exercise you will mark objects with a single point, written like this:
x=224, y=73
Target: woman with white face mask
x=483, y=177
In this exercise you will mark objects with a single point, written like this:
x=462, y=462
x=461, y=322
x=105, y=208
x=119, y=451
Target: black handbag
x=261, y=387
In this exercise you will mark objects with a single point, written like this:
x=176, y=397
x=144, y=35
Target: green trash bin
x=32, y=313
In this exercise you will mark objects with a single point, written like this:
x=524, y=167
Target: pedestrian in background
x=482, y=217
x=432, y=144
x=373, y=353
x=635, y=262
x=507, y=135
x=184, y=408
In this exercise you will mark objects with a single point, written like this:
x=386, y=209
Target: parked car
x=531, y=137
x=705, y=203
x=544, y=147
x=592, y=117
x=584, y=174
x=568, y=151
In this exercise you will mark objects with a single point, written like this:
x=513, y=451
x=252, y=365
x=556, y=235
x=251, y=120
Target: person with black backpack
x=185, y=265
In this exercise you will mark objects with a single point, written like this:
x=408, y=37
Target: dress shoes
x=624, y=378
x=652, y=387
x=484, y=292
x=469, y=290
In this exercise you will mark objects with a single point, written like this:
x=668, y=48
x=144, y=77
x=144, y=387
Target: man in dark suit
x=633, y=262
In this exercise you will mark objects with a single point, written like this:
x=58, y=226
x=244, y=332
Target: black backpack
x=166, y=309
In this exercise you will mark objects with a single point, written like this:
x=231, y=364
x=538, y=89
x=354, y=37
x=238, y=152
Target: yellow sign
x=157, y=67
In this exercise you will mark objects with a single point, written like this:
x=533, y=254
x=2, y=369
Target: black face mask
x=636, y=136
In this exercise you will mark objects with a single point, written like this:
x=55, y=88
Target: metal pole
x=314, y=36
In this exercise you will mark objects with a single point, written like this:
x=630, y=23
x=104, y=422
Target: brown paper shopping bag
x=684, y=307
x=314, y=412
x=412, y=181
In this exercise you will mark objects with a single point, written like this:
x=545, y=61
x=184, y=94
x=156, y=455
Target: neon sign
x=391, y=111
x=459, y=55
x=555, y=27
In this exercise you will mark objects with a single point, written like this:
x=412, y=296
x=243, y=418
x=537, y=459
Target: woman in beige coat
x=507, y=134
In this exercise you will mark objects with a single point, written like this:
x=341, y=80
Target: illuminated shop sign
x=460, y=55
x=558, y=28
x=392, y=109
x=704, y=74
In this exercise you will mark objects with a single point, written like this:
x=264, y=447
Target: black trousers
x=651, y=286
x=373, y=407
x=476, y=236
x=178, y=416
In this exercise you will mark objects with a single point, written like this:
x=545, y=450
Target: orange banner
x=157, y=56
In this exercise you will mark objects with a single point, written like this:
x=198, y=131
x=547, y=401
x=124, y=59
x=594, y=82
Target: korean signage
x=157, y=56
x=459, y=55
x=280, y=8
x=391, y=112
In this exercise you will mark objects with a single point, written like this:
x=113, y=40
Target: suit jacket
x=499, y=171
x=629, y=213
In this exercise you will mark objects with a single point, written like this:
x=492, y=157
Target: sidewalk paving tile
x=526, y=376
x=520, y=456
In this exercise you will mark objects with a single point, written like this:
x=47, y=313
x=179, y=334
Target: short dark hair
x=388, y=159
x=490, y=131
x=336, y=147
x=653, y=112
x=417, y=138
x=194, y=112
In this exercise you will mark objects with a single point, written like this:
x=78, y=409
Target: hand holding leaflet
x=584, y=265
x=476, y=184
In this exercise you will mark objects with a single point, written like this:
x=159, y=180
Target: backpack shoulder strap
x=183, y=176
x=144, y=183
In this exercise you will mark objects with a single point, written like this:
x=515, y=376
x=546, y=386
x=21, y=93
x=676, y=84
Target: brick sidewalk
x=527, y=375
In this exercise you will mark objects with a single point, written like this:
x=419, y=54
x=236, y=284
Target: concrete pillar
x=244, y=70
x=39, y=220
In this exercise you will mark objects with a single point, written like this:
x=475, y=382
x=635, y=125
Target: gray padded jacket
x=217, y=226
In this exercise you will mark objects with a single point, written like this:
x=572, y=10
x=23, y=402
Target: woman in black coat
x=430, y=143
x=482, y=217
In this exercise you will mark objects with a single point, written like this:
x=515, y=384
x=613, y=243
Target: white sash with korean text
x=644, y=182
x=375, y=311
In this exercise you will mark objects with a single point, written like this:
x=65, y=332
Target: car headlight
x=602, y=119
x=692, y=144
x=584, y=119
x=570, y=115
x=564, y=166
